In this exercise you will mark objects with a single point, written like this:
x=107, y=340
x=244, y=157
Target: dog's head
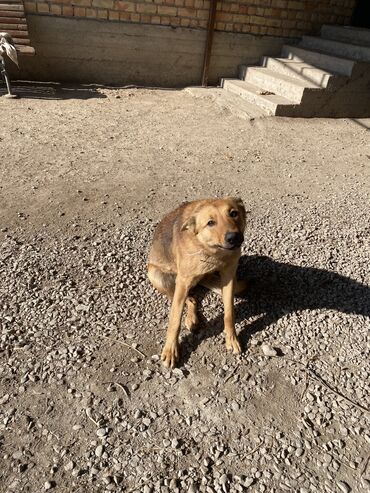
x=218, y=224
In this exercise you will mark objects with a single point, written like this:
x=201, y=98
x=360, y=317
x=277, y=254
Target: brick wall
x=289, y=18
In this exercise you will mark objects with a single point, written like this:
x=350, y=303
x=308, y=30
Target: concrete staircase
x=325, y=76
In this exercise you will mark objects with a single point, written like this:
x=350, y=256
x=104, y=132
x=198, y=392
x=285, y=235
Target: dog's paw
x=233, y=344
x=170, y=355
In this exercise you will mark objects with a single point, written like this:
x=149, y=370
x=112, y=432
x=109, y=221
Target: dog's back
x=162, y=250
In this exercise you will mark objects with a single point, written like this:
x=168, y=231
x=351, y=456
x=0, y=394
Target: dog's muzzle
x=233, y=240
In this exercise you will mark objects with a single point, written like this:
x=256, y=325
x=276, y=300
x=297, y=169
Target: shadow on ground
x=277, y=289
x=51, y=90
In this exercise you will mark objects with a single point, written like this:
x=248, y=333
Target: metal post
x=209, y=41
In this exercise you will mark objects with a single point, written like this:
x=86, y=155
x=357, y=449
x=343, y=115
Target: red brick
x=175, y=21
x=164, y=10
x=186, y=12
x=81, y=3
x=102, y=14
x=145, y=18
x=124, y=6
x=43, y=8
x=103, y=4
x=67, y=11
x=91, y=13
x=30, y=7
x=202, y=14
x=144, y=8
x=224, y=16
x=56, y=9
x=125, y=16
x=113, y=15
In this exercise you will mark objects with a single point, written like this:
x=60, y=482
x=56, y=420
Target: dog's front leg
x=170, y=353
x=228, y=287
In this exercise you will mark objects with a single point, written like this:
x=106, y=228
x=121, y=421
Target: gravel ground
x=85, y=404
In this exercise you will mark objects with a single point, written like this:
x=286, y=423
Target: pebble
x=268, y=350
x=69, y=466
x=99, y=450
x=102, y=432
x=343, y=486
x=235, y=406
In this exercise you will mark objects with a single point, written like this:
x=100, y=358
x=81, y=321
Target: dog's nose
x=234, y=239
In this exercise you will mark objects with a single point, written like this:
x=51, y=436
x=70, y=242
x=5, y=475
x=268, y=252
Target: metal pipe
x=209, y=41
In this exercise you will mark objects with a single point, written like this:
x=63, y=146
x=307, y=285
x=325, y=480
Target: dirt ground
x=85, y=405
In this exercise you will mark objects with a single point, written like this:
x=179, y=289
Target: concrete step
x=298, y=70
x=336, y=48
x=228, y=102
x=332, y=63
x=240, y=107
x=272, y=103
x=278, y=83
x=347, y=34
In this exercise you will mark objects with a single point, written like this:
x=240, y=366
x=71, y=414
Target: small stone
x=343, y=487
x=4, y=399
x=48, y=485
x=69, y=466
x=99, y=450
x=248, y=482
x=175, y=443
x=268, y=350
x=101, y=432
x=235, y=406
x=223, y=479
x=298, y=452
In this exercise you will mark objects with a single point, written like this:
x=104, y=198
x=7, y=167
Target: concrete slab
x=228, y=102
x=347, y=34
x=323, y=60
x=337, y=48
x=254, y=94
x=298, y=70
x=278, y=83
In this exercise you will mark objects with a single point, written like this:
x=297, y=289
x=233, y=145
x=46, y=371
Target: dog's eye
x=233, y=213
x=211, y=223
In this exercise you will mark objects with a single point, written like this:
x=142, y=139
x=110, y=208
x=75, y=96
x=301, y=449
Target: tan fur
x=188, y=250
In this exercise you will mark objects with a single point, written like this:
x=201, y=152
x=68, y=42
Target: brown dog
x=198, y=243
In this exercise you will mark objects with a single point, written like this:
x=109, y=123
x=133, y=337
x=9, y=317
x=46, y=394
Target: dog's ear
x=240, y=204
x=189, y=224
x=238, y=201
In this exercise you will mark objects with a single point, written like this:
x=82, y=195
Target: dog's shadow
x=276, y=289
